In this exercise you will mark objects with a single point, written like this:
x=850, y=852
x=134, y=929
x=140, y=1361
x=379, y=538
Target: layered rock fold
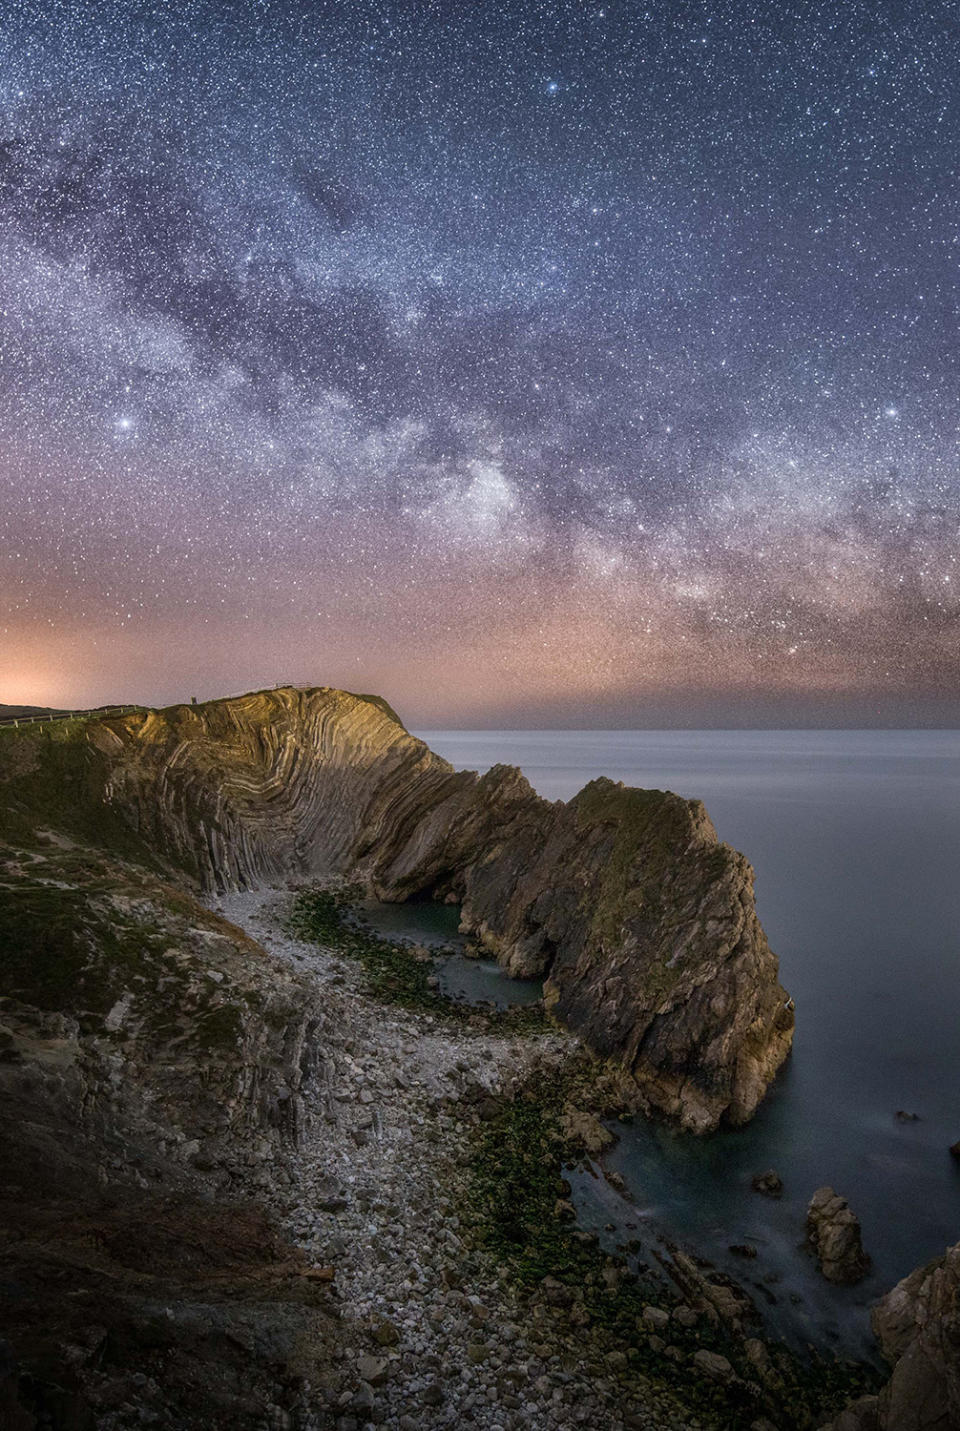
x=642, y=921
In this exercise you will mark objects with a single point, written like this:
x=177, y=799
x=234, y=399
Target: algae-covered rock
x=584, y=1130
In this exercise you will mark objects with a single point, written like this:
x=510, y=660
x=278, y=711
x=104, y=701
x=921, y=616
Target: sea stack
x=834, y=1232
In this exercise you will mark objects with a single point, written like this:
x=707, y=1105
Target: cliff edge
x=641, y=920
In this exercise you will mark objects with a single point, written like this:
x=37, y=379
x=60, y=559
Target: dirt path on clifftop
x=440, y=1339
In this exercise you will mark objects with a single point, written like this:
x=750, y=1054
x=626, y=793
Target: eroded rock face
x=642, y=921
x=834, y=1232
x=152, y=1058
x=918, y=1327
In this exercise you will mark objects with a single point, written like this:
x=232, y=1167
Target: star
x=290, y=324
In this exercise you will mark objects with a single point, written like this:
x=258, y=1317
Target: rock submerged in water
x=833, y=1230
x=642, y=921
x=770, y=1183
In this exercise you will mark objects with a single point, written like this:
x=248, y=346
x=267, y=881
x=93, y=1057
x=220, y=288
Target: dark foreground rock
x=642, y=921
x=918, y=1327
x=834, y=1233
x=151, y=1058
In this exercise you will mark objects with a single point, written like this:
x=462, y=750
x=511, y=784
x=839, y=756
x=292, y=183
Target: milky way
x=546, y=363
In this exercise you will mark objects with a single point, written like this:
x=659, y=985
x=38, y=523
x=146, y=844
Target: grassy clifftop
x=52, y=776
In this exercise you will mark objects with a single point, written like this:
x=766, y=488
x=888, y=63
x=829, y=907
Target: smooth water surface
x=436, y=927
x=855, y=839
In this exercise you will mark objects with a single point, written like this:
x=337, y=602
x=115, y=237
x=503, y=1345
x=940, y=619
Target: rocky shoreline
x=378, y=1192
x=375, y=1180
x=260, y=1174
x=641, y=920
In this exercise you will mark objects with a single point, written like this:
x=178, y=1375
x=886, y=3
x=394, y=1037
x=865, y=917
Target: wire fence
x=103, y=712
x=50, y=717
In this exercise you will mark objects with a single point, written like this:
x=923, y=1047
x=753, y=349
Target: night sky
x=543, y=364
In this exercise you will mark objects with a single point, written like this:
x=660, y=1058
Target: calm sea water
x=437, y=927
x=855, y=839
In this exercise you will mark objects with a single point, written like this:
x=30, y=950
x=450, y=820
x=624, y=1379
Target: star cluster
x=553, y=363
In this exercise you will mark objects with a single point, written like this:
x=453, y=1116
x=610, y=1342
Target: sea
x=854, y=836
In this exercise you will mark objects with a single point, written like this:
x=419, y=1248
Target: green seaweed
x=513, y=1213
x=393, y=973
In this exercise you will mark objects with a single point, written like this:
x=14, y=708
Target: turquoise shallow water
x=436, y=926
x=855, y=839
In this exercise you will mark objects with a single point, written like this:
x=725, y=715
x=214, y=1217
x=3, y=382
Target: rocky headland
x=246, y=1186
x=642, y=921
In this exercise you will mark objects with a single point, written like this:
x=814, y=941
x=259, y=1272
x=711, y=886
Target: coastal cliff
x=152, y=1060
x=199, y=1126
x=641, y=920
x=918, y=1327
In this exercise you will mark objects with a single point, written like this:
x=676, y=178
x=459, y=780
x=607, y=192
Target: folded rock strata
x=641, y=920
x=151, y=1064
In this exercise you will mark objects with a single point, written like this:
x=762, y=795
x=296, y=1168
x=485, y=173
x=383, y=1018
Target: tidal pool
x=462, y=976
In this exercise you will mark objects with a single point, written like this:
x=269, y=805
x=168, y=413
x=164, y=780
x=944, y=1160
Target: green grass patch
x=62, y=952
x=52, y=775
x=78, y=932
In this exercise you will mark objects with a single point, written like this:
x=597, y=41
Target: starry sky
x=588, y=364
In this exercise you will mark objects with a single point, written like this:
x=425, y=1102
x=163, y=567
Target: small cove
x=855, y=838
x=462, y=976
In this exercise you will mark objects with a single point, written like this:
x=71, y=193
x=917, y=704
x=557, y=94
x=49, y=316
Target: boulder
x=714, y=1365
x=585, y=1131
x=918, y=1327
x=834, y=1233
x=770, y=1183
x=372, y=1369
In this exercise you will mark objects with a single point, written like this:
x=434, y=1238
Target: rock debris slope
x=642, y=921
x=152, y=1058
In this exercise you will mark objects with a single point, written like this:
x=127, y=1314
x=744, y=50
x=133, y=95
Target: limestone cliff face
x=269, y=785
x=642, y=921
x=918, y=1328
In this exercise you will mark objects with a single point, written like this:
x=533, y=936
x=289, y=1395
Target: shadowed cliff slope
x=643, y=923
x=918, y=1327
x=151, y=1062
